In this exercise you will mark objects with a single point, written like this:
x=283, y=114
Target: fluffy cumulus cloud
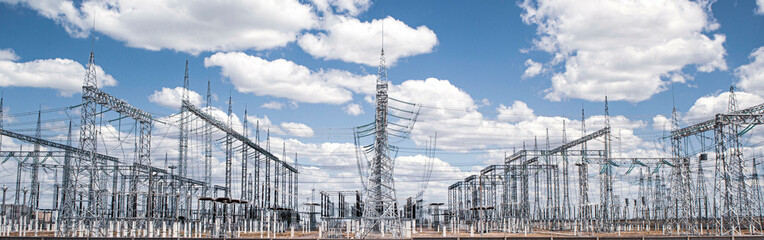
x=264, y=124
x=706, y=107
x=187, y=26
x=628, y=50
x=64, y=75
x=752, y=75
x=8, y=55
x=353, y=109
x=532, y=68
x=517, y=112
x=297, y=129
x=661, y=122
x=760, y=8
x=286, y=79
x=351, y=40
x=171, y=97
x=346, y=7
x=440, y=96
x=285, y=128
x=273, y=105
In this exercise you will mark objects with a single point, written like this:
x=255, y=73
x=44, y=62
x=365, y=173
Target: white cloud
x=628, y=50
x=286, y=79
x=533, y=69
x=328, y=153
x=518, y=112
x=442, y=98
x=297, y=129
x=364, y=84
x=760, y=8
x=171, y=97
x=284, y=128
x=8, y=55
x=264, y=123
x=350, y=40
x=348, y=7
x=186, y=26
x=273, y=105
x=661, y=122
x=64, y=75
x=706, y=107
x=752, y=75
x=353, y=109
x=485, y=102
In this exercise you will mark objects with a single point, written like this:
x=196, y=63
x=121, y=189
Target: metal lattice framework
x=85, y=173
x=269, y=209
x=101, y=196
x=523, y=194
x=183, y=147
x=380, y=214
x=97, y=175
x=733, y=205
x=338, y=210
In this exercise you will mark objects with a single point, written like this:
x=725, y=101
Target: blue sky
x=499, y=72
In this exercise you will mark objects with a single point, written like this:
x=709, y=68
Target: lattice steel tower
x=379, y=213
x=183, y=143
x=86, y=171
x=606, y=174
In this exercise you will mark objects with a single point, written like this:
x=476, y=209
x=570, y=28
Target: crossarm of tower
x=740, y=118
x=47, y=143
x=568, y=152
x=709, y=124
x=642, y=161
x=228, y=130
x=116, y=104
x=455, y=185
x=489, y=169
x=559, y=149
x=515, y=156
x=5, y=154
x=693, y=129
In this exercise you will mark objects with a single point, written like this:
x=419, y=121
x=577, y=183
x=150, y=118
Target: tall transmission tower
x=735, y=209
x=207, y=149
x=244, y=163
x=606, y=188
x=87, y=167
x=183, y=142
x=566, y=210
x=755, y=189
x=228, y=159
x=681, y=182
x=35, y=193
x=379, y=213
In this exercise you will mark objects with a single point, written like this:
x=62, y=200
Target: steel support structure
x=380, y=212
